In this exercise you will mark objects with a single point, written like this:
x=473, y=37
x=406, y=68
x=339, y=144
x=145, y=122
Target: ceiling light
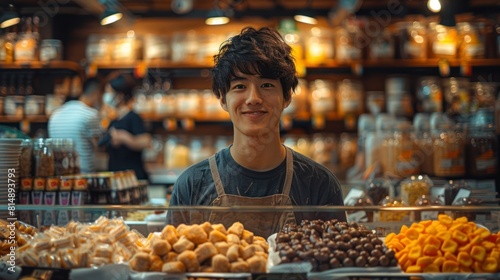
x=434, y=5
x=216, y=17
x=306, y=16
x=110, y=15
x=9, y=18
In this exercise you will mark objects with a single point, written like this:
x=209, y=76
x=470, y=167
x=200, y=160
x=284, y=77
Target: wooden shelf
x=31, y=119
x=36, y=65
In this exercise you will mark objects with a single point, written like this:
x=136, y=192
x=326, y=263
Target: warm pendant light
x=216, y=17
x=306, y=16
x=9, y=18
x=109, y=16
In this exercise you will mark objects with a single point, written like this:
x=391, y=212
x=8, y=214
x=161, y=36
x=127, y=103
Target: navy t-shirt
x=121, y=157
x=312, y=184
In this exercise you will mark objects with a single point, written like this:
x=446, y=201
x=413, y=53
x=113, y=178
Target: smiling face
x=255, y=105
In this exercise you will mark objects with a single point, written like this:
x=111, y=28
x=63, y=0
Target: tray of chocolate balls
x=327, y=248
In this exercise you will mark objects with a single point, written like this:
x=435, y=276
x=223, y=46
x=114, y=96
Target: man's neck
x=253, y=154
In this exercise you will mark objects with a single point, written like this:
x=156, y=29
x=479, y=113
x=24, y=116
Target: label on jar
x=52, y=184
x=473, y=50
x=80, y=184
x=24, y=198
x=39, y=184
x=26, y=184
x=414, y=50
x=37, y=197
x=32, y=107
x=24, y=54
x=66, y=184
x=444, y=48
x=48, y=53
x=49, y=198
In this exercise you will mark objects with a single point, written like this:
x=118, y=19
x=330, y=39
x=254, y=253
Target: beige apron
x=260, y=223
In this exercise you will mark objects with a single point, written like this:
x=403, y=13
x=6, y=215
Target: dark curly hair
x=262, y=52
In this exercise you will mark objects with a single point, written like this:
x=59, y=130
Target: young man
x=254, y=78
x=79, y=120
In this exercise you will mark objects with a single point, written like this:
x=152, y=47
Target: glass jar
x=348, y=150
x=319, y=46
x=360, y=216
x=481, y=150
x=350, y=97
x=381, y=46
x=51, y=49
x=414, y=187
x=26, y=48
x=412, y=40
x=457, y=95
x=25, y=158
x=484, y=95
x=323, y=149
x=425, y=152
x=375, y=102
x=429, y=95
x=43, y=157
x=378, y=189
x=401, y=150
x=185, y=46
x=63, y=149
x=322, y=96
x=98, y=48
x=470, y=40
x=449, y=152
x=443, y=41
x=347, y=39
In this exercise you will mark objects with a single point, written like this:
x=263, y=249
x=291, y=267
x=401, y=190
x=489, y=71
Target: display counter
x=390, y=241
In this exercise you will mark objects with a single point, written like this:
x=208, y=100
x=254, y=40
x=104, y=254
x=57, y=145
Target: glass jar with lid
x=393, y=216
x=470, y=40
x=457, y=95
x=322, y=97
x=379, y=188
x=429, y=95
x=481, y=149
x=449, y=151
x=63, y=149
x=350, y=97
x=414, y=187
x=412, y=40
x=43, y=157
x=484, y=95
x=452, y=188
x=347, y=42
x=443, y=41
x=402, y=150
x=25, y=158
x=381, y=46
x=319, y=46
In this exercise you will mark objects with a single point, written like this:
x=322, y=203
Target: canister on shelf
x=43, y=158
x=457, y=95
x=482, y=147
x=51, y=49
x=25, y=158
x=470, y=40
x=412, y=40
x=319, y=46
x=449, y=152
x=414, y=187
x=443, y=41
x=322, y=96
x=429, y=95
x=350, y=97
x=347, y=42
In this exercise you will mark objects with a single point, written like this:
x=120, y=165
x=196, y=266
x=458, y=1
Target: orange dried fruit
x=414, y=269
x=445, y=220
x=450, y=266
x=459, y=237
x=449, y=246
x=425, y=261
x=431, y=268
x=430, y=250
x=478, y=253
x=464, y=259
x=489, y=265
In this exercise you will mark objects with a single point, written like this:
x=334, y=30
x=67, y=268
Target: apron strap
x=216, y=176
x=289, y=172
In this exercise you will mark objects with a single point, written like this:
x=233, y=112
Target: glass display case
x=137, y=241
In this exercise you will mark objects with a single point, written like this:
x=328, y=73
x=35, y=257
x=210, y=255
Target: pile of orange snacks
x=202, y=248
x=446, y=245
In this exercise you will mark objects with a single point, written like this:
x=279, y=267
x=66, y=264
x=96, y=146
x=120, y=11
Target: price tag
x=353, y=194
x=8, y=272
